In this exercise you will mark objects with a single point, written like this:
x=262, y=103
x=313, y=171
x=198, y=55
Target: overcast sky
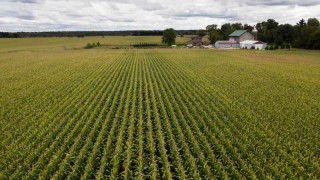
x=66, y=15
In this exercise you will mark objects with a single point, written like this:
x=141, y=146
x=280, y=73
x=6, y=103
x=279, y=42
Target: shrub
x=271, y=47
x=245, y=47
x=282, y=47
x=252, y=47
x=276, y=47
x=267, y=48
x=145, y=45
x=89, y=46
x=98, y=44
x=288, y=46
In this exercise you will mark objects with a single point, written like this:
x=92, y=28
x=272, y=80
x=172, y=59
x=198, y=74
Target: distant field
x=156, y=113
x=65, y=43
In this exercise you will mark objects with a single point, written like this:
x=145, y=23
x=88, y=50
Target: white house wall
x=260, y=46
x=248, y=46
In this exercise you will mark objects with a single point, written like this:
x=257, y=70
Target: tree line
x=90, y=33
x=304, y=34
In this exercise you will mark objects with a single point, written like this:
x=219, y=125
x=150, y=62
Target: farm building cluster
x=242, y=39
x=237, y=39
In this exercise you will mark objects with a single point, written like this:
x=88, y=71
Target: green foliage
x=271, y=48
x=89, y=46
x=201, y=33
x=145, y=45
x=267, y=30
x=313, y=22
x=252, y=47
x=248, y=27
x=214, y=35
x=302, y=23
x=169, y=36
x=227, y=28
x=279, y=41
x=299, y=35
x=211, y=27
x=267, y=48
x=314, y=40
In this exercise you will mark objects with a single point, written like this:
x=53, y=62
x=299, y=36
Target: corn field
x=159, y=114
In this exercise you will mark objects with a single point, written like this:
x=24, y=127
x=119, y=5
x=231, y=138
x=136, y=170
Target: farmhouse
x=195, y=41
x=241, y=39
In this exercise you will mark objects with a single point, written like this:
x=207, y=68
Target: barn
x=241, y=35
x=256, y=44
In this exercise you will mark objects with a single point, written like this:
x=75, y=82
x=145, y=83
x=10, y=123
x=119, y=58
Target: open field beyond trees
x=69, y=112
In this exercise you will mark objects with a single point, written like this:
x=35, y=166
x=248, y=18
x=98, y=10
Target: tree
x=272, y=24
x=267, y=30
x=279, y=41
x=304, y=36
x=226, y=30
x=201, y=33
x=236, y=26
x=314, y=40
x=214, y=35
x=301, y=23
x=212, y=26
x=286, y=31
x=271, y=30
x=169, y=36
x=247, y=27
x=313, y=22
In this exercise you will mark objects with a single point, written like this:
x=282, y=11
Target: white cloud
x=58, y=15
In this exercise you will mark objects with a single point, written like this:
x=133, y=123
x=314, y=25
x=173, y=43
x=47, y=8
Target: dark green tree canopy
x=201, y=33
x=214, y=35
x=301, y=23
x=248, y=27
x=211, y=26
x=313, y=22
x=169, y=36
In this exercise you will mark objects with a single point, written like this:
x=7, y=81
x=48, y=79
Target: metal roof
x=237, y=33
x=226, y=42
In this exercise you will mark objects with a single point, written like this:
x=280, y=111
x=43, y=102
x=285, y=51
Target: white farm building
x=248, y=44
x=241, y=39
x=226, y=44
